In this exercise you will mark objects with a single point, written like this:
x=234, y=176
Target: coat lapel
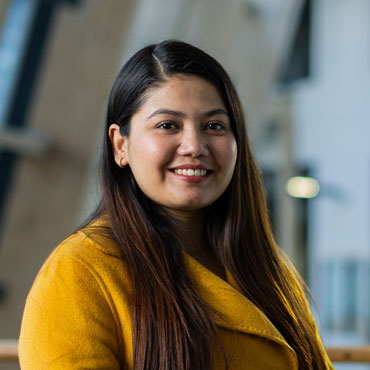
x=232, y=309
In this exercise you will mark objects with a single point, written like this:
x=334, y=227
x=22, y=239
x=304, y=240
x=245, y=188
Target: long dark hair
x=172, y=327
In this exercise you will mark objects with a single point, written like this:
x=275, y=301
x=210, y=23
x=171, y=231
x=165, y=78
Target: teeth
x=191, y=172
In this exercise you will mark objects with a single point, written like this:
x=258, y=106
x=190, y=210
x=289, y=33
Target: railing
x=349, y=354
x=9, y=352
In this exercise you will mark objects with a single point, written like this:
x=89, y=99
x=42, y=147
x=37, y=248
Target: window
x=24, y=34
x=297, y=65
x=15, y=28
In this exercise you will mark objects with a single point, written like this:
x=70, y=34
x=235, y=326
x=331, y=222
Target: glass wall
x=13, y=40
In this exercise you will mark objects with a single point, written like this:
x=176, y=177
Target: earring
x=120, y=162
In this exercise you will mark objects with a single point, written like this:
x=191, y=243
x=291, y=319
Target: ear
x=119, y=145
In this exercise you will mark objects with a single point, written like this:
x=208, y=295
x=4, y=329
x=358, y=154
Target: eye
x=167, y=126
x=215, y=125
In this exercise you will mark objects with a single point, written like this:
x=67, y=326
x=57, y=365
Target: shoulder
x=83, y=285
x=87, y=258
x=84, y=273
x=90, y=246
x=92, y=240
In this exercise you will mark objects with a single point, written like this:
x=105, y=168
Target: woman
x=178, y=268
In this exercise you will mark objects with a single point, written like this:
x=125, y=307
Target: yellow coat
x=77, y=314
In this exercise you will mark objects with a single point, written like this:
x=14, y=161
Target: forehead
x=183, y=92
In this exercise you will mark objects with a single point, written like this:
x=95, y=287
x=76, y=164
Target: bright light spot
x=302, y=187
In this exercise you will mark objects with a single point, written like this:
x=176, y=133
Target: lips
x=191, y=171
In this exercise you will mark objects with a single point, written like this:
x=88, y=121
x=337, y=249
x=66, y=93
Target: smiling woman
x=181, y=149
x=177, y=268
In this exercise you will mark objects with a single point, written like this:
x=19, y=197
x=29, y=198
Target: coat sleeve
x=68, y=321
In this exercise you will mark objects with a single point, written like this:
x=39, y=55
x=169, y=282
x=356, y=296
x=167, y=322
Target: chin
x=189, y=207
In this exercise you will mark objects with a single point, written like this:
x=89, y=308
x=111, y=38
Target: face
x=181, y=149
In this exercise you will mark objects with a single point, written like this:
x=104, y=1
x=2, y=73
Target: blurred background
x=302, y=69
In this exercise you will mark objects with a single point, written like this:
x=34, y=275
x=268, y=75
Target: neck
x=191, y=230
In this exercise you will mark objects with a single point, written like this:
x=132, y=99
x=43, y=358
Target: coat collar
x=232, y=309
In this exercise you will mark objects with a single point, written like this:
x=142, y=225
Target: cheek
x=228, y=155
x=147, y=153
x=147, y=146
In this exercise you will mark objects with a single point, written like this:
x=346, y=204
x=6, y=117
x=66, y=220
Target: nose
x=193, y=143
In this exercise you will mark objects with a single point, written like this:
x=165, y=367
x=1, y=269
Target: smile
x=190, y=172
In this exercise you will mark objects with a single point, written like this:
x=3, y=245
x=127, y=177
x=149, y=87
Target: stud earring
x=120, y=162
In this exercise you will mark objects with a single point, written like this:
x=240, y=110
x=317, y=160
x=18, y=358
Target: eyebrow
x=210, y=113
